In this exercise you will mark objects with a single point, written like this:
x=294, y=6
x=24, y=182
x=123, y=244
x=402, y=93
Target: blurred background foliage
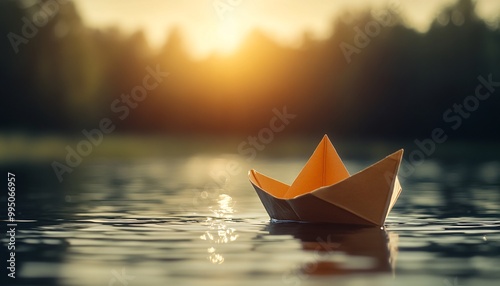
x=397, y=87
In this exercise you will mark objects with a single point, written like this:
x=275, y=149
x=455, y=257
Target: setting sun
x=229, y=35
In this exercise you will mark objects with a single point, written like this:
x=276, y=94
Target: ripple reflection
x=218, y=231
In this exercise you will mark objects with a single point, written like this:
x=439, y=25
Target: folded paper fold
x=325, y=192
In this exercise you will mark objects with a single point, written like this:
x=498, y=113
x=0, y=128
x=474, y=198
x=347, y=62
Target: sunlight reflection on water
x=218, y=232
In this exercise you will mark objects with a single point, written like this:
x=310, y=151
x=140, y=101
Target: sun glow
x=228, y=36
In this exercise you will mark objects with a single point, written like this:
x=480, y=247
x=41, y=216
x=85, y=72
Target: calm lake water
x=186, y=221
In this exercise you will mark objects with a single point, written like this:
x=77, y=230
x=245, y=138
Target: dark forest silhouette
x=398, y=86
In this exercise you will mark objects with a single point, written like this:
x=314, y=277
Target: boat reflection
x=340, y=250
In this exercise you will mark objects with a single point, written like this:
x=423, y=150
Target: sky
x=219, y=25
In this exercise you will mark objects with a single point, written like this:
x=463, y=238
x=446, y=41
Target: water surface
x=194, y=221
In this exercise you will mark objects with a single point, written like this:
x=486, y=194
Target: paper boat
x=325, y=192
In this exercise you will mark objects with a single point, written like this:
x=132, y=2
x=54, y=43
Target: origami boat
x=325, y=192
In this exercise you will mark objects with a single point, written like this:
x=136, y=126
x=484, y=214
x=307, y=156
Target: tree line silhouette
x=368, y=79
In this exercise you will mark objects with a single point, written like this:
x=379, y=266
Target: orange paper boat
x=325, y=192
